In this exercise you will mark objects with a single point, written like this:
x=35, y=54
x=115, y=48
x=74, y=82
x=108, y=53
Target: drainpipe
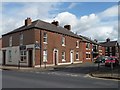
x=40, y=48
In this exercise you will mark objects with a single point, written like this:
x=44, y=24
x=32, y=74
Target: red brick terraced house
x=91, y=49
x=39, y=42
x=111, y=48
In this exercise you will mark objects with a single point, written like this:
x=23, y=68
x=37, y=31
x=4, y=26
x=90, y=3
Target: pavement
x=73, y=70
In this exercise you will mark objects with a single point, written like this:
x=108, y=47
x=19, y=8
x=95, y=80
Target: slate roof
x=109, y=43
x=46, y=26
x=88, y=39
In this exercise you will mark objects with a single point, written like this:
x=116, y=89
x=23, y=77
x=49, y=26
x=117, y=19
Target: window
x=87, y=56
x=63, y=56
x=88, y=45
x=10, y=41
x=45, y=37
x=63, y=41
x=23, y=56
x=10, y=57
x=107, y=49
x=110, y=49
x=44, y=55
x=21, y=39
x=77, y=44
x=77, y=55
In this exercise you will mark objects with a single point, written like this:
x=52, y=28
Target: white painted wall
x=16, y=55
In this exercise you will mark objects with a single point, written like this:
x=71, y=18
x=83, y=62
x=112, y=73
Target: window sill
x=45, y=42
x=63, y=45
x=77, y=59
x=63, y=60
x=87, y=58
x=87, y=49
x=77, y=47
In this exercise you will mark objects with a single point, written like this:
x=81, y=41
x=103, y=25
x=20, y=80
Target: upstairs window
x=77, y=44
x=88, y=45
x=110, y=49
x=10, y=41
x=63, y=41
x=21, y=39
x=63, y=56
x=45, y=37
x=107, y=49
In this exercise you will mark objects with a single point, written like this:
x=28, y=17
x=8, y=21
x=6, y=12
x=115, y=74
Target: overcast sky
x=96, y=20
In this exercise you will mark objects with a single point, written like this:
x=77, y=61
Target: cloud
x=95, y=25
x=14, y=17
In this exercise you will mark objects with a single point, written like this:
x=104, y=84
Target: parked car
x=110, y=60
x=100, y=59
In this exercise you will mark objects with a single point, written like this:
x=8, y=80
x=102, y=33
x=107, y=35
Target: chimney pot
x=28, y=21
x=108, y=40
x=55, y=23
x=68, y=27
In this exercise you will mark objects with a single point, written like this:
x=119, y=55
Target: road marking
x=37, y=72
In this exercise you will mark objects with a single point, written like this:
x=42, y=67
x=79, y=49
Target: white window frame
x=23, y=54
x=45, y=37
x=10, y=41
x=77, y=44
x=88, y=53
x=45, y=55
x=63, y=56
x=10, y=55
x=87, y=48
x=110, y=49
x=63, y=41
x=21, y=39
x=78, y=55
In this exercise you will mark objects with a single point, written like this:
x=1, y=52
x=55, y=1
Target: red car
x=110, y=60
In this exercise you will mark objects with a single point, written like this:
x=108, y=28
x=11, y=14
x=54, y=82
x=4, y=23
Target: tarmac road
x=17, y=79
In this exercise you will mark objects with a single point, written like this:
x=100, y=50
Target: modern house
x=38, y=42
x=111, y=48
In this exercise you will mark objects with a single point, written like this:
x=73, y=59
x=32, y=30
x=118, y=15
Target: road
x=17, y=79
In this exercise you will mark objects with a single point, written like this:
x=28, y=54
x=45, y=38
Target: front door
x=55, y=56
x=71, y=56
x=4, y=57
x=30, y=58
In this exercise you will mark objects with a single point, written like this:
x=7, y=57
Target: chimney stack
x=95, y=40
x=56, y=23
x=68, y=27
x=108, y=40
x=28, y=21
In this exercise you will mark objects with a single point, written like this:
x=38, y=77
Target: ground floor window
x=87, y=56
x=77, y=55
x=63, y=56
x=10, y=55
x=44, y=55
x=23, y=56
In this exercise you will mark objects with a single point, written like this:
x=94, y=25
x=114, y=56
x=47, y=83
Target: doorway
x=30, y=58
x=71, y=56
x=55, y=56
x=4, y=58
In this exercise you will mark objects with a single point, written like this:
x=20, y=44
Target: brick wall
x=28, y=38
x=54, y=42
